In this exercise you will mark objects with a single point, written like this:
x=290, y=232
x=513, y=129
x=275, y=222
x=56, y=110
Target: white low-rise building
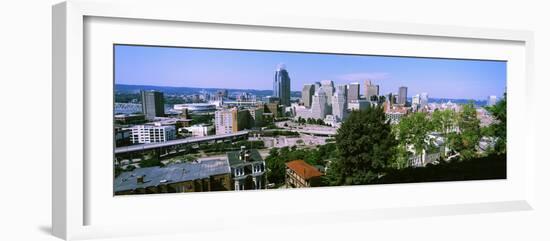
x=152, y=133
x=198, y=130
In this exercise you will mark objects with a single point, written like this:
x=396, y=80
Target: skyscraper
x=281, y=85
x=353, y=92
x=307, y=93
x=371, y=90
x=328, y=87
x=339, y=104
x=342, y=90
x=402, y=95
x=319, y=104
x=152, y=104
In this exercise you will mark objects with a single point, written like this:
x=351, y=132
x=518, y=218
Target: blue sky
x=215, y=68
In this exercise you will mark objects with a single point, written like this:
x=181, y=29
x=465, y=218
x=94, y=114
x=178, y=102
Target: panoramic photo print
x=205, y=119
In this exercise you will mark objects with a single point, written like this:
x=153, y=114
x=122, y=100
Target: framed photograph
x=176, y=120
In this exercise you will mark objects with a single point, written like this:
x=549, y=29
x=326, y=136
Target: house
x=204, y=176
x=247, y=169
x=300, y=174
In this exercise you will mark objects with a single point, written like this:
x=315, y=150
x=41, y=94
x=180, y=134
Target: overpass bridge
x=174, y=146
x=329, y=133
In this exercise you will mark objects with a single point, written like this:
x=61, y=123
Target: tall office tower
x=339, y=104
x=328, y=87
x=371, y=90
x=353, y=92
x=152, y=104
x=402, y=100
x=319, y=104
x=281, y=85
x=317, y=85
x=491, y=100
x=307, y=93
x=423, y=100
x=343, y=90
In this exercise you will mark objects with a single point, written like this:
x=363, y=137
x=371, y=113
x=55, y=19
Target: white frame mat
x=84, y=209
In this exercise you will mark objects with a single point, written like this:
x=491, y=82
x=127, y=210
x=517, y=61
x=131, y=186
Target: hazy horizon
x=252, y=69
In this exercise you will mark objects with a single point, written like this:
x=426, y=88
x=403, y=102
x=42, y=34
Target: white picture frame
x=73, y=194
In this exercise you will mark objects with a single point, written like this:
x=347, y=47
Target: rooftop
x=234, y=157
x=173, y=173
x=304, y=170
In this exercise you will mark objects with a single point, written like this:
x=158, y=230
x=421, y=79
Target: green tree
x=466, y=141
x=413, y=130
x=444, y=121
x=498, y=129
x=365, y=145
x=320, y=122
x=275, y=167
x=201, y=119
x=401, y=157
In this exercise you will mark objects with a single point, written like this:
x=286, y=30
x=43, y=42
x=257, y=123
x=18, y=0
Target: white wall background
x=25, y=97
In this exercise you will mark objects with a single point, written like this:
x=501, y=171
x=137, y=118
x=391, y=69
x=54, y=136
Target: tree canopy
x=413, y=130
x=366, y=146
x=466, y=141
x=498, y=129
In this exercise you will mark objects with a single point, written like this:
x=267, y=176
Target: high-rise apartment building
x=229, y=121
x=281, y=85
x=226, y=121
x=152, y=104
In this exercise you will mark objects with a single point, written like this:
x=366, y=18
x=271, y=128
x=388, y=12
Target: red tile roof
x=304, y=170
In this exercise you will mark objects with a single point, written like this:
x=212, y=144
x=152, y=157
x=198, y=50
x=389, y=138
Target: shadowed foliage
x=483, y=168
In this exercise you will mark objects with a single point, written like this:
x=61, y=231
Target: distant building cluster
x=328, y=102
x=332, y=103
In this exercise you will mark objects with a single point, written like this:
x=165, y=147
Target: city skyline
x=250, y=69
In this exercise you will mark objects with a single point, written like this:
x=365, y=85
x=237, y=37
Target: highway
x=191, y=140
